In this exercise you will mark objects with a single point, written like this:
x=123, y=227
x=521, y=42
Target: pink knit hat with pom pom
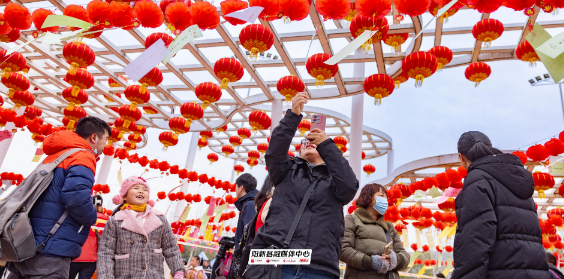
x=126, y=185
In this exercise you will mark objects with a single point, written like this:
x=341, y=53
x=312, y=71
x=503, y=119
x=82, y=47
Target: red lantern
x=112, y=83
x=151, y=39
x=208, y=93
x=5, y=28
x=253, y=155
x=369, y=169
x=178, y=125
x=395, y=40
x=235, y=140
x=487, y=30
x=202, y=143
x=251, y=163
x=259, y=120
x=82, y=79
x=554, y=147
x=22, y=99
x=403, y=77
x=412, y=8
x=212, y=157
x=229, y=6
x=525, y=52
x=134, y=138
x=122, y=15
x=32, y=112
x=289, y=86
x=153, y=78
x=363, y=155
x=256, y=38
x=221, y=129
x=419, y=65
x=129, y=115
x=333, y=9
x=378, y=86
x=294, y=10
x=148, y=14
x=168, y=139
x=477, y=72
x=11, y=37
x=18, y=16
x=73, y=116
x=361, y=23
x=178, y=16
x=136, y=96
x=518, y=5
x=78, y=55
x=15, y=82
x=228, y=70
x=304, y=126
x=14, y=62
x=119, y=123
x=115, y=136
x=262, y=147
x=38, y=17
x=271, y=9
x=447, y=206
x=206, y=134
x=191, y=111
x=78, y=12
x=434, y=9
x=543, y=182
x=340, y=141
x=80, y=98
x=375, y=8
x=443, y=55
x=99, y=13
x=205, y=15
x=244, y=133
x=129, y=145
x=150, y=110
x=485, y=6
x=522, y=156
x=238, y=169
x=319, y=70
x=227, y=149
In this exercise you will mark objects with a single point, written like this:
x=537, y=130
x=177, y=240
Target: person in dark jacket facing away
x=321, y=226
x=245, y=191
x=70, y=190
x=498, y=234
x=551, y=259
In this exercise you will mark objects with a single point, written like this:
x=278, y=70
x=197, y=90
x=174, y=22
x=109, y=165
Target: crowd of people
x=299, y=206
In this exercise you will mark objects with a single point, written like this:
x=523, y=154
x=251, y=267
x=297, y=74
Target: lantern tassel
x=188, y=122
x=126, y=124
x=70, y=125
x=11, y=92
x=397, y=82
x=205, y=104
x=70, y=106
x=286, y=20
x=400, y=200
x=487, y=42
x=302, y=132
x=17, y=106
x=320, y=80
x=133, y=106
x=439, y=66
x=6, y=72
x=75, y=90
x=377, y=99
x=120, y=134
x=224, y=83
x=143, y=88
x=532, y=62
x=165, y=147
x=73, y=68
x=395, y=46
x=419, y=80
x=541, y=194
x=478, y=80
x=254, y=53
x=367, y=46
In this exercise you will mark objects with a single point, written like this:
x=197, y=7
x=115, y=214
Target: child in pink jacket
x=137, y=238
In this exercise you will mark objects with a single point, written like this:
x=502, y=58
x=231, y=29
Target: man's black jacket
x=245, y=205
x=321, y=226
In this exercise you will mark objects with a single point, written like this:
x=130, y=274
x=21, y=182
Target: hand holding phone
x=388, y=248
x=318, y=121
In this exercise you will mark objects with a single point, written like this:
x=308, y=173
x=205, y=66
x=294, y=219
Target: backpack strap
x=299, y=214
x=50, y=167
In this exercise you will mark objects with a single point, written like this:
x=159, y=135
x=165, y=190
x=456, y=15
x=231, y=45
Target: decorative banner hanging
x=188, y=35
x=553, y=47
x=147, y=60
x=249, y=15
x=62, y=20
x=536, y=38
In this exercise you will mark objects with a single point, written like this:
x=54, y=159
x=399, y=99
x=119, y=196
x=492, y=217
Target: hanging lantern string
x=554, y=136
x=310, y=42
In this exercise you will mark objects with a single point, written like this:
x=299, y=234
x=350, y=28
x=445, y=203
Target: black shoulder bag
x=275, y=271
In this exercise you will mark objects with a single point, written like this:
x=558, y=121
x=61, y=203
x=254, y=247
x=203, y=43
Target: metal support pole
x=180, y=205
x=105, y=169
x=276, y=113
x=390, y=167
x=561, y=97
x=357, y=109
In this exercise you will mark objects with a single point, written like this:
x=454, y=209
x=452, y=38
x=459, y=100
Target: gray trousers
x=40, y=267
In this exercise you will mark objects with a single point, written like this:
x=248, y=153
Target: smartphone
x=388, y=248
x=318, y=121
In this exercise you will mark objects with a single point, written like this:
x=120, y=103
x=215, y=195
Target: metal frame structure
x=429, y=167
x=375, y=143
x=48, y=68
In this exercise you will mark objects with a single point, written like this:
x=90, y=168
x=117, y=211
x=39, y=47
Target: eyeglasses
x=304, y=143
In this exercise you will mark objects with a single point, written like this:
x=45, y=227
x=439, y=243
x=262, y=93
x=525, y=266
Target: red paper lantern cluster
x=259, y=120
x=419, y=65
x=289, y=86
x=319, y=70
x=256, y=38
x=208, y=92
x=378, y=86
x=228, y=70
x=78, y=55
x=487, y=30
x=477, y=72
x=191, y=111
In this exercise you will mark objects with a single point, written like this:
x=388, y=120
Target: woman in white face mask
x=366, y=236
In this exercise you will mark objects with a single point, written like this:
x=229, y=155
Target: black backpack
x=241, y=255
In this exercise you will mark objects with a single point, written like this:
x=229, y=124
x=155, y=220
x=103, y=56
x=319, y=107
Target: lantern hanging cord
x=554, y=136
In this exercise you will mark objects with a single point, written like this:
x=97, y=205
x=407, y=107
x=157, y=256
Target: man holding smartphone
x=321, y=225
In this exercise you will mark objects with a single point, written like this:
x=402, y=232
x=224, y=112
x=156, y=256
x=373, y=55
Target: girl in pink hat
x=137, y=238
